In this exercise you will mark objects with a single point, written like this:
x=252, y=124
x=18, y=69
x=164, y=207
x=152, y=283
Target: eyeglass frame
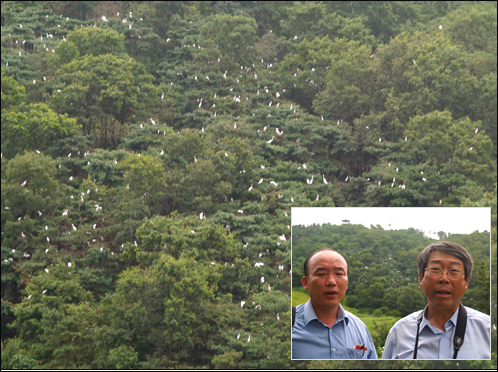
x=428, y=269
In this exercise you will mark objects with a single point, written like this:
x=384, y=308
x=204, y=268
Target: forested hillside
x=152, y=151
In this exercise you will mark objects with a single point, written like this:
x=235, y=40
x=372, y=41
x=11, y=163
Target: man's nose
x=331, y=280
x=444, y=278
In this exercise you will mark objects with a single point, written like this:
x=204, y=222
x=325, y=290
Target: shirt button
x=333, y=349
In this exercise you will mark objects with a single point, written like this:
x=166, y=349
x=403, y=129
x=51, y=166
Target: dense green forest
x=152, y=151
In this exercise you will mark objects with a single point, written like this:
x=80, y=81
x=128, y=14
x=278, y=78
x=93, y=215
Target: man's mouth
x=330, y=293
x=443, y=293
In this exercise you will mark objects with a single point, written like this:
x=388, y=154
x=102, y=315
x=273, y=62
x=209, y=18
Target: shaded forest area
x=152, y=151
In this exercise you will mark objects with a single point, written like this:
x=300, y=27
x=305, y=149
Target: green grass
x=299, y=296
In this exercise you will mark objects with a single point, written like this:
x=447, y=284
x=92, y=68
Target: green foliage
x=35, y=126
x=12, y=93
x=230, y=37
x=104, y=92
x=14, y=356
x=94, y=41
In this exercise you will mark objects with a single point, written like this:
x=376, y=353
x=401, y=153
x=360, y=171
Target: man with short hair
x=445, y=329
x=322, y=328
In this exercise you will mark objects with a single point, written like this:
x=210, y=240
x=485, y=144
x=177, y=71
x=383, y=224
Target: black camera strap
x=293, y=315
x=459, y=331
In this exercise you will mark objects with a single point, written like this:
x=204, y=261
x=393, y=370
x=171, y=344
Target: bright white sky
x=450, y=220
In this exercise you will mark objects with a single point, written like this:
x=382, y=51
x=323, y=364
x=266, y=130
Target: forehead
x=327, y=259
x=444, y=258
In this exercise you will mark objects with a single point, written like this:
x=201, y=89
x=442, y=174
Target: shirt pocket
x=357, y=354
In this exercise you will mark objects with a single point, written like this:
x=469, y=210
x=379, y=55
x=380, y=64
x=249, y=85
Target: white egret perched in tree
x=260, y=181
x=274, y=183
x=23, y=184
x=423, y=179
x=270, y=141
x=324, y=180
x=250, y=188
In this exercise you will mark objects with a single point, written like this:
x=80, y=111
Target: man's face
x=443, y=293
x=327, y=279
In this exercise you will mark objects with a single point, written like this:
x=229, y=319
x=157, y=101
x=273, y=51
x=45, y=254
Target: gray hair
x=446, y=247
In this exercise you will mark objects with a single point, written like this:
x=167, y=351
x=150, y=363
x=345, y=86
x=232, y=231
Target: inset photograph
x=391, y=283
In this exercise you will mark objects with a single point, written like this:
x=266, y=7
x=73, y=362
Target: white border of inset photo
x=437, y=223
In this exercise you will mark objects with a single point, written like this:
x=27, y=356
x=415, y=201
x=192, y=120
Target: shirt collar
x=309, y=314
x=452, y=321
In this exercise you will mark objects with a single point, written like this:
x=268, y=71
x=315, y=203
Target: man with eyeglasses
x=445, y=329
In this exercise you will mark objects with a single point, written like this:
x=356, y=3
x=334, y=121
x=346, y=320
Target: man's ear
x=304, y=281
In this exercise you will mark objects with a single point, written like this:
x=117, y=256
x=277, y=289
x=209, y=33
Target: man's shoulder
x=476, y=314
x=351, y=316
x=477, y=317
x=407, y=321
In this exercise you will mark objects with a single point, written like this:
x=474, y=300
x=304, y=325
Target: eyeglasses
x=436, y=273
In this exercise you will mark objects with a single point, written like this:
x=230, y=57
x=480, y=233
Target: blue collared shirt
x=312, y=339
x=435, y=343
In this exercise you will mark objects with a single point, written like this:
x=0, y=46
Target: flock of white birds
x=236, y=99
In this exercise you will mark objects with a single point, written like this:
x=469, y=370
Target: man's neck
x=327, y=315
x=439, y=317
